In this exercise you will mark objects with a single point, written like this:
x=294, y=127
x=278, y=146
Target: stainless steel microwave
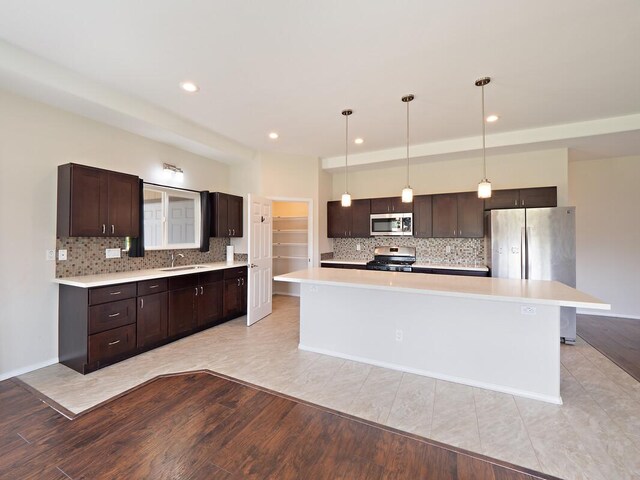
x=384, y=224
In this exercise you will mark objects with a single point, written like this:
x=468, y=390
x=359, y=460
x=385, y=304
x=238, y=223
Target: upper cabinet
x=226, y=215
x=522, y=198
x=97, y=203
x=458, y=215
x=348, y=222
x=390, y=205
x=422, y=218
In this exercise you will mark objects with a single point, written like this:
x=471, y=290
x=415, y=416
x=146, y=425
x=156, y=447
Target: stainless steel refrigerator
x=535, y=244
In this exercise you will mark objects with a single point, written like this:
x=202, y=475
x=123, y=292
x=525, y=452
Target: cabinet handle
x=234, y=231
x=454, y=232
x=229, y=232
x=153, y=286
x=104, y=228
x=515, y=203
x=242, y=281
x=201, y=290
x=460, y=232
x=114, y=315
x=523, y=202
x=115, y=293
x=113, y=229
x=141, y=303
x=113, y=343
x=196, y=291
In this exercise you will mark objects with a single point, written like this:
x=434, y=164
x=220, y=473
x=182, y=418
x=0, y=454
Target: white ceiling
x=292, y=66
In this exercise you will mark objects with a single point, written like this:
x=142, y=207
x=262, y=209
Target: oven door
x=391, y=224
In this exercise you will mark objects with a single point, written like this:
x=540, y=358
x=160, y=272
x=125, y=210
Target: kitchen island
x=494, y=333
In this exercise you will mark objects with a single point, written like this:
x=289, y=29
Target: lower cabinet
x=103, y=325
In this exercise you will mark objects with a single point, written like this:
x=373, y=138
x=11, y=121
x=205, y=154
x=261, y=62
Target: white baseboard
x=448, y=378
x=30, y=368
x=288, y=294
x=581, y=311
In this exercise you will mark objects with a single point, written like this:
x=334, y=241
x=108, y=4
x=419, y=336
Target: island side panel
x=485, y=343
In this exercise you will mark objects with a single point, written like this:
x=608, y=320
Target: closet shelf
x=289, y=218
x=290, y=243
x=297, y=230
x=291, y=257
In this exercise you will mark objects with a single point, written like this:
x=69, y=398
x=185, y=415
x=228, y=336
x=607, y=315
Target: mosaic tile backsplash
x=86, y=256
x=464, y=251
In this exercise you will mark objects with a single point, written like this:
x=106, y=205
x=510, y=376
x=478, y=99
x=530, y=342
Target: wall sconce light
x=171, y=171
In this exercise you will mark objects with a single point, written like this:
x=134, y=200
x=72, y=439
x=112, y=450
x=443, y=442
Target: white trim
x=426, y=373
x=30, y=368
x=583, y=311
x=287, y=294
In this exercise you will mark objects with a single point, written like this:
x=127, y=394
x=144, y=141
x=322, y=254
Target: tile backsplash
x=86, y=256
x=468, y=251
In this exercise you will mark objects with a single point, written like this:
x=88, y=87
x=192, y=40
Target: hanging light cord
x=407, y=143
x=346, y=156
x=484, y=158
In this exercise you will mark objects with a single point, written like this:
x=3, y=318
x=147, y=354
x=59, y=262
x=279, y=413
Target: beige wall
x=34, y=140
x=533, y=169
x=607, y=199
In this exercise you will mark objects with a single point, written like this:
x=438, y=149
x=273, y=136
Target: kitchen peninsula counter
x=494, y=333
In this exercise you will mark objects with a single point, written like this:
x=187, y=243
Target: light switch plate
x=50, y=255
x=62, y=254
x=112, y=252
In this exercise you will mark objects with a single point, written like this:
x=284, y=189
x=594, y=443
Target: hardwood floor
x=200, y=425
x=616, y=338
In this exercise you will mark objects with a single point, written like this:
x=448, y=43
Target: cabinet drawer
x=112, y=293
x=111, y=315
x=149, y=287
x=111, y=343
x=210, y=277
x=235, y=272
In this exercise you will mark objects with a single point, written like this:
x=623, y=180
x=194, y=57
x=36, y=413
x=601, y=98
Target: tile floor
x=594, y=435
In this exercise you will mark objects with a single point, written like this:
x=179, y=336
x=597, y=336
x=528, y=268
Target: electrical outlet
x=399, y=335
x=112, y=252
x=62, y=254
x=358, y=247
x=527, y=310
x=448, y=249
x=50, y=255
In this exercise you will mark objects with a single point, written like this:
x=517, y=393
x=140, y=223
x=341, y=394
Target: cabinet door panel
x=219, y=214
x=398, y=206
x=422, y=218
x=360, y=211
x=152, y=324
x=210, y=303
x=89, y=207
x=124, y=207
x=181, y=310
x=112, y=343
x=445, y=215
x=111, y=315
x=470, y=215
x=234, y=215
x=503, y=199
x=232, y=297
x=337, y=224
x=380, y=205
x=539, y=197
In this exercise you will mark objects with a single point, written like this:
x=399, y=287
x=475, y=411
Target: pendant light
x=407, y=192
x=484, y=187
x=346, y=197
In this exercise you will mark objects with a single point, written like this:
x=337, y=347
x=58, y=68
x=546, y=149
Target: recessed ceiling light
x=273, y=136
x=492, y=118
x=189, y=87
x=358, y=141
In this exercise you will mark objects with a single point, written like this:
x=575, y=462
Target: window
x=171, y=218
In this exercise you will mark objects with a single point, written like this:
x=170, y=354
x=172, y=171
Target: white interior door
x=260, y=258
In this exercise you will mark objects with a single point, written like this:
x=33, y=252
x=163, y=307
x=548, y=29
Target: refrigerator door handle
x=527, y=241
x=523, y=252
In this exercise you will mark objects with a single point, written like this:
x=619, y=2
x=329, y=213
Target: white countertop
x=503, y=289
x=435, y=266
x=103, y=279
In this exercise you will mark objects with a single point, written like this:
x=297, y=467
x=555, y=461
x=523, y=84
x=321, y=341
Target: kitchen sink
x=186, y=267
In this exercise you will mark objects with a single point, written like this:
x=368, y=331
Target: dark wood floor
x=616, y=338
x=201, y=425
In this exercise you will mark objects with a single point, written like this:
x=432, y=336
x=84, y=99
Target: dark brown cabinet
x=422, y=216
x=458, y=215
x=522, y=198
x=235, y=292
x=103, y=325
x=348, y=222
x=97, y=203
x=390, y=205
x=226, y=215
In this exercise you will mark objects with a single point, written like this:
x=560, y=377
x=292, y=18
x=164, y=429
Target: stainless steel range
x=393, y=259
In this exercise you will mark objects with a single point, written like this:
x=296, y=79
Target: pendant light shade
x=407, y=192
x=484, y=187
x=346, y=196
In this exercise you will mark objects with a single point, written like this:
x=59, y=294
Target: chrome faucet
x=174, y=257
